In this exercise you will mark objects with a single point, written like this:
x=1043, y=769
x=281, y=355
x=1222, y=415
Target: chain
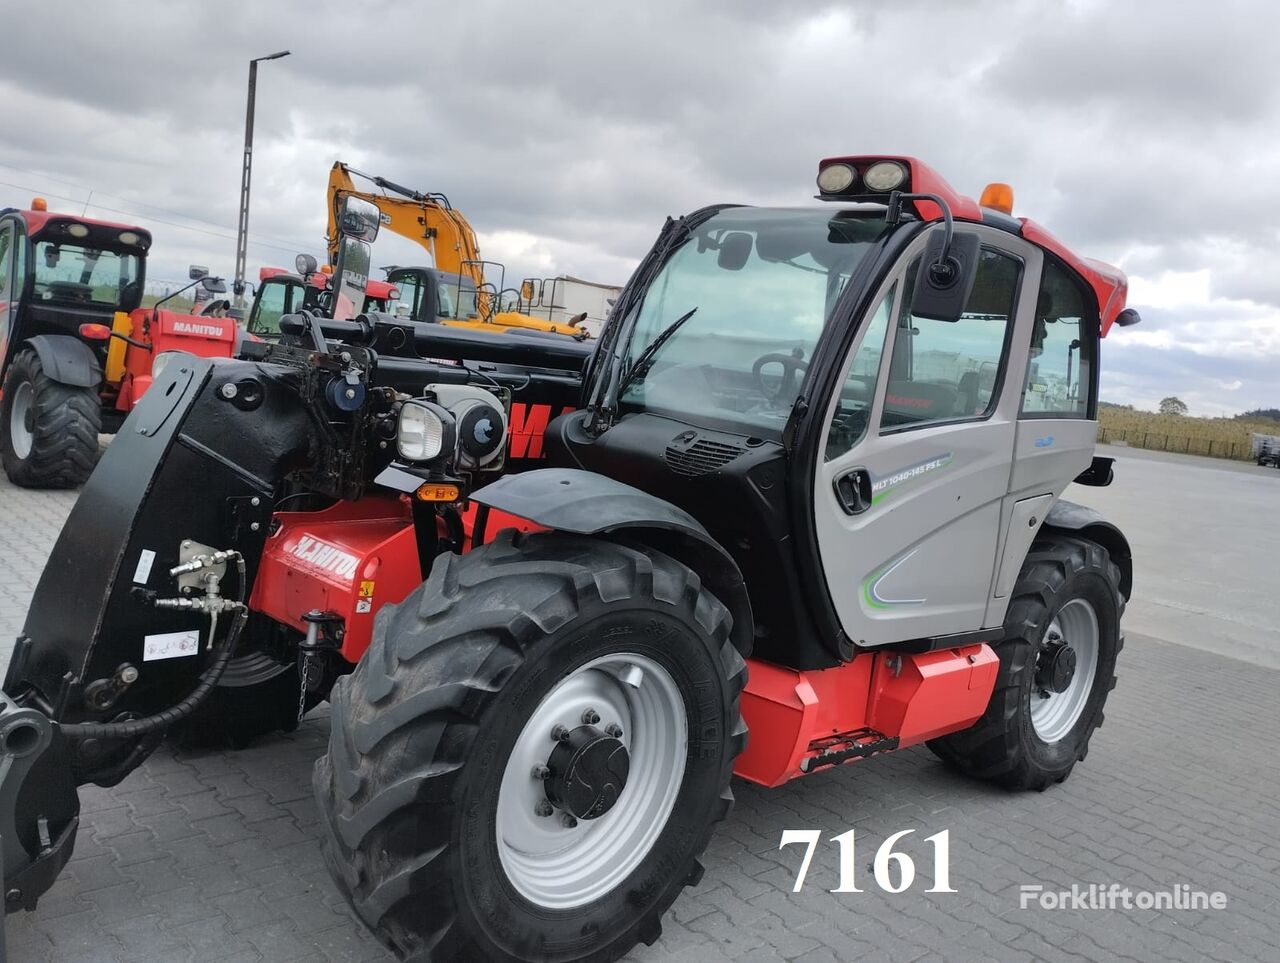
x=304, y=676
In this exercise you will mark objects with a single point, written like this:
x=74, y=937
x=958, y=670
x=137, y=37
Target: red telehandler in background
x=77, y=350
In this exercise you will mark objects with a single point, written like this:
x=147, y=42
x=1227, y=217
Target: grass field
x=1218, y=437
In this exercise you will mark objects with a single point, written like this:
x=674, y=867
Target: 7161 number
x=883, y=867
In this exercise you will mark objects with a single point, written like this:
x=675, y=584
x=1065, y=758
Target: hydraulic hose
x=137, y=728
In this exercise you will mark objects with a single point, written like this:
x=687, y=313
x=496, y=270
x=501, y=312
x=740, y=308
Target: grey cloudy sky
x=1145, y=133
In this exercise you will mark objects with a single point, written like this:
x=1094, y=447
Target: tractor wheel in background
x=532, y=755
x=48, y=431
x=1057, y=666
x=256, y=695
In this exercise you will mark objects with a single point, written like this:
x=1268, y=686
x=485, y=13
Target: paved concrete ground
x=212, y=855
x=1206, y=536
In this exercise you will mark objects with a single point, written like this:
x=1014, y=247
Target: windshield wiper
x=644, y=360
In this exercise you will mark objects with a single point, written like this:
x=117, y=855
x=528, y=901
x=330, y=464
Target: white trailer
x=565, y=297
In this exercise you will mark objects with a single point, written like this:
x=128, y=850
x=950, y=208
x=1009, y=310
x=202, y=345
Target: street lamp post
x=242, y=234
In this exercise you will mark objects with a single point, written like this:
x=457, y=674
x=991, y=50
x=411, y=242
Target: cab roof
x=38, y=222
x=1108, y=283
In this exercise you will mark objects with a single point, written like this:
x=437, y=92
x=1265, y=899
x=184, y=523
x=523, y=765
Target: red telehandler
x=77, y=350
x=807, y=511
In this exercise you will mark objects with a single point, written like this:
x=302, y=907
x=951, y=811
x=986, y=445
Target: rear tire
x=48, y=430
x=429, y=735
x=1027, y=739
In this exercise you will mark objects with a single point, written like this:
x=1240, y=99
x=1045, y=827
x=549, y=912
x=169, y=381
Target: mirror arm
x=174, y=294
x=941, y=269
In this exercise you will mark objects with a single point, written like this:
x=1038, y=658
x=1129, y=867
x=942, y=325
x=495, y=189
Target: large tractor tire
x=48, y=431
x=533, y=753
x=1057, y=666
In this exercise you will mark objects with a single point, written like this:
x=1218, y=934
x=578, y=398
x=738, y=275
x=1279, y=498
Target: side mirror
x=351, y=277
x=1127, y=317
x=196, y=271
x=213, y=285
x=306, y=265
x=360, y=219
x=945, y=279
x=735, y=248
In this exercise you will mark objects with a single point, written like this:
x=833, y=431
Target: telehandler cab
x=281, y=292
x=77, y=350
x=808, y=511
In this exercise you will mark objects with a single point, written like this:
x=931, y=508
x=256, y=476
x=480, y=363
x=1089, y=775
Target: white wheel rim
x=1054, y=714
x=19, y=415
x=558, y=867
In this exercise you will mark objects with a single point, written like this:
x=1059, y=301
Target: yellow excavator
x=455, y=291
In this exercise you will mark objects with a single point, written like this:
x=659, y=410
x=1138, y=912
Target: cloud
x=1144, y=134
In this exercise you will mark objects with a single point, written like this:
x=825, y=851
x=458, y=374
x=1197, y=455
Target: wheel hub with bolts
x=1065, y=669
x=591, y=780
x=587, y=771
x=1056, y=666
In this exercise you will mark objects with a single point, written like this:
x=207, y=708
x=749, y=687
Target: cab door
x=917, y=455
x=274, y=299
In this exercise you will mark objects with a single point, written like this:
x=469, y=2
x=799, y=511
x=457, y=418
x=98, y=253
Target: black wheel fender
x=1070, y=519
x=67, y=360
x=585, y=503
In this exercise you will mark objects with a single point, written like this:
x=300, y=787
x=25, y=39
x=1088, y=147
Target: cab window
x=275, y=299
x=947, y=371
x=6, y=260
x=853, y=410
x=1060, y=364
x=410, y=288
x=71, y=273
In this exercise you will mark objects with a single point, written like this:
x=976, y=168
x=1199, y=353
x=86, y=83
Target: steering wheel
x=791, y=364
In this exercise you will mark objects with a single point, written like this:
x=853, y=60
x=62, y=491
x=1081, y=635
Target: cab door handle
x=853, y=491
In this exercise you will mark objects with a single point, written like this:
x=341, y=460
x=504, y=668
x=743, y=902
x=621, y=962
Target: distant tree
x=1112, y=404
x=1173, y=406
x=1260, y=414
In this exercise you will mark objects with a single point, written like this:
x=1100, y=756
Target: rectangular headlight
x=425, y=431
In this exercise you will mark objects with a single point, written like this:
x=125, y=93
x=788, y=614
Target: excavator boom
x=428, y=219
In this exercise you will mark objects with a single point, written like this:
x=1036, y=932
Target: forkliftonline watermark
x=1114, y=896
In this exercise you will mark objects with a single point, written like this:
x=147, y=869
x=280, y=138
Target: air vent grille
x=700, y=457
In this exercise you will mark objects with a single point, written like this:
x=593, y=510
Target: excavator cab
x=431, y=296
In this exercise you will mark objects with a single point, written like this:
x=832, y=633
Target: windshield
x=80, y=275
x=763, y=283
